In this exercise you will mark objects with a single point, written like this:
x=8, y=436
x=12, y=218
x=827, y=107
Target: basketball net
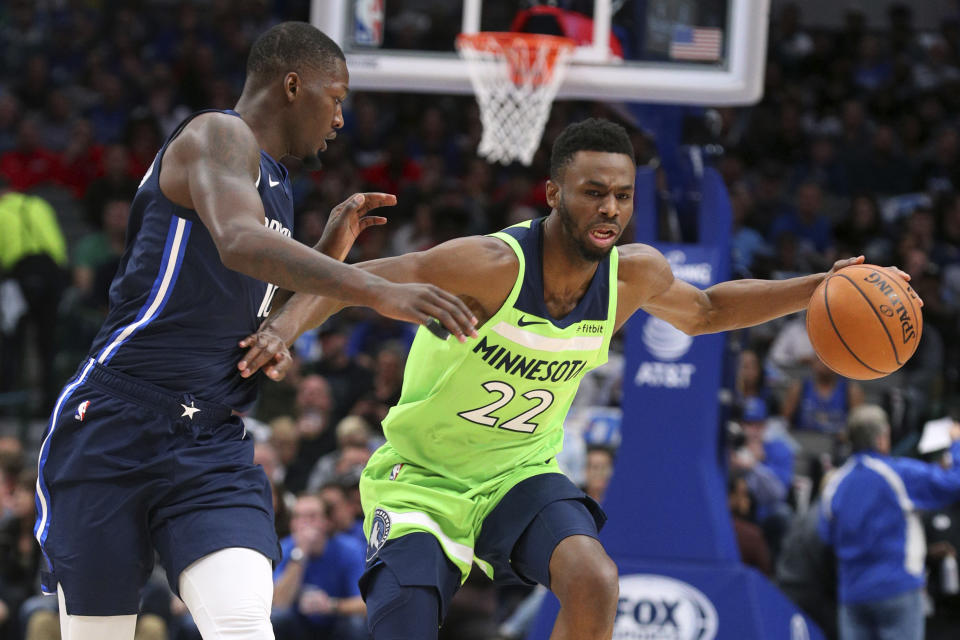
x=516, y=77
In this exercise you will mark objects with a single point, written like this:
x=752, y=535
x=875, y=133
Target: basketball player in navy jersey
x=144, y=449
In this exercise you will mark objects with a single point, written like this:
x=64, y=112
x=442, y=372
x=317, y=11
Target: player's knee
x=593, y=581
x=229, y=594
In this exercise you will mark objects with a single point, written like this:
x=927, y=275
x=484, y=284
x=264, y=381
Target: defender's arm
x=212, y=167
x=480, y=270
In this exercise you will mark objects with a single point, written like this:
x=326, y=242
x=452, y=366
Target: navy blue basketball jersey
x=176, y=312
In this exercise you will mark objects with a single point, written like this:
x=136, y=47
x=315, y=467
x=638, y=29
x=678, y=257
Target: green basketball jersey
x=479, y=411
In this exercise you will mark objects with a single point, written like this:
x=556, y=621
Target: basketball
x=864, y=321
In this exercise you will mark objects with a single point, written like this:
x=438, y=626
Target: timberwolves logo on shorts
x=379, y=531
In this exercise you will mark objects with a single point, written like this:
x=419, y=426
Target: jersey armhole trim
x=521, y=272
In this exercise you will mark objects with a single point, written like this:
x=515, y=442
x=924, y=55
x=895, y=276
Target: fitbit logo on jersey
x=654, y=607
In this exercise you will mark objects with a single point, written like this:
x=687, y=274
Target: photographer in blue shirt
x=868, y=515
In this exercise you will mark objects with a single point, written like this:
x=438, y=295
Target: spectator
x=766, y=463
x=599, y=470
x=348, y=380
x=750, y=381
x=807, y=223
x=387, y=380
x=343, y=513
x=100, y=252
x=20, y=563
x=861, y=231
x=33, y=253
x=750, y=541
x=942, y=530
x=868, y=516
x=821, y=401
x=806, y=571
x=316, y=432
x=351, y=455
x=315, y=593
x=115, y=183
x=286, y=442
x=29, y=164
x=748, y=245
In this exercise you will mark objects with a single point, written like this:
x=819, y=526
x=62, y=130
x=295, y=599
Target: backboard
x=673, y=51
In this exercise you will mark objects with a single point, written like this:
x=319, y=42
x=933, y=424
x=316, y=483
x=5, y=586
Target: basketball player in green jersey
x=468, y=473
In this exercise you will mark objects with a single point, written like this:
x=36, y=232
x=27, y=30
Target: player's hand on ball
x=897, y=271
x=846, y=262
x=267, y=350
x=422, y=303
x=349, y=219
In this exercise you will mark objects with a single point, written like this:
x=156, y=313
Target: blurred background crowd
x=853, y=149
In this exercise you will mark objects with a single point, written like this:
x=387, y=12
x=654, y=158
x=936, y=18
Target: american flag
x=696, y=43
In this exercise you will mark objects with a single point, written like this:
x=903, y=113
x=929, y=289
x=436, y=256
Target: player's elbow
x=236, y=249
x=697, y=327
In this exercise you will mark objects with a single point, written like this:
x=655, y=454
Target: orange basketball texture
x=864, y=321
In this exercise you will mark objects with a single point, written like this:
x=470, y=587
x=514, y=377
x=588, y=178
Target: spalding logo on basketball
x=864, y=321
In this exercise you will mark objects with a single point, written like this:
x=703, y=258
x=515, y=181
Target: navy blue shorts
x=127, y=468
x=517, y=539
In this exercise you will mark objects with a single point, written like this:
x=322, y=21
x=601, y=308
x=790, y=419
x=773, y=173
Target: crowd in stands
x=854, y=148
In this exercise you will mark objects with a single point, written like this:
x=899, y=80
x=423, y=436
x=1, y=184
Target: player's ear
x=291, y=86
x=553, y=194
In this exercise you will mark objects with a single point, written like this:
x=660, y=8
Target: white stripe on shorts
x=459, y=551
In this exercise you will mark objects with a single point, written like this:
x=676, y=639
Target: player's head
x=308, y=71
x=592, y=172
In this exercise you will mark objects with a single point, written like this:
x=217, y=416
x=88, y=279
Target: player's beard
x=577, y=237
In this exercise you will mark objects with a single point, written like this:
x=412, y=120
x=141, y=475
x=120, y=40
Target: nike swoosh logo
x=523, y=322
x=272, y=182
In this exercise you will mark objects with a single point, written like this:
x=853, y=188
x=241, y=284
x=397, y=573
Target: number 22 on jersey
x=482, y=415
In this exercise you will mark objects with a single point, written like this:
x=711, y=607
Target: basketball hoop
x=515, y=76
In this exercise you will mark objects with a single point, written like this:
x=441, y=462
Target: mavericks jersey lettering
x=478, y=410
x=176, y=312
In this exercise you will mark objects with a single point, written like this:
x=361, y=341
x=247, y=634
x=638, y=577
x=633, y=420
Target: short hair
x=291, y=46
x=865, y=424
x=592, y=134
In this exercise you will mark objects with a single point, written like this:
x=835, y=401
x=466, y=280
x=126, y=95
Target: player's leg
x=584, y=579
x=90, y=498
x=229, y=594
x=214, y=529
x=74, y=627
x=560, y=550
x=407, y=587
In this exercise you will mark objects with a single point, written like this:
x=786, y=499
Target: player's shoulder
x=641, y=261
x=483, y=253
x=219, y=135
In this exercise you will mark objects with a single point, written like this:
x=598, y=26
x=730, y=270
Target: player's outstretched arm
x=345, y=223
x=646, y=282
x=212, y=167
x=481, y=270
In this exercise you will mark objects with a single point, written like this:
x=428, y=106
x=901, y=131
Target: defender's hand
x=422, y=303
x=349, y=219
x=265, y=349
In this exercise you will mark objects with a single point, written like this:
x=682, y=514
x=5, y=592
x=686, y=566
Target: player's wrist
x=335, y=606
x=297, y=555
